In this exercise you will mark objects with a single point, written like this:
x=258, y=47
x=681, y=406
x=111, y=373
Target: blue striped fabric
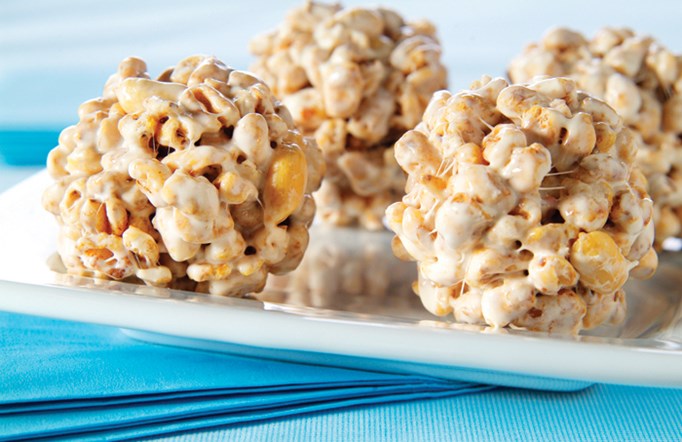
x=600, y=413
x=89, y=382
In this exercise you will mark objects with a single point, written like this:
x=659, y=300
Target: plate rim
x=243, y=324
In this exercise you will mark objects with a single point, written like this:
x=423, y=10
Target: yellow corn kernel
x=150, y=174
x=647, y=265
x=551, y=238
x=399, y=250
x=284, y=184
x=208, y=272
x=159, y=276
x=599, y=261
x=83, y=161
x=250, y=265
x=606, y=137
x=236, y=189
x=394, y=214
x=116, y=216
x=141, y=243
x=132, y=92
x=551, y=273
x=470, y=153
x=93, y=217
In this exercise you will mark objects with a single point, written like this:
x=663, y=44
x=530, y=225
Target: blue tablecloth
x=93, y=383
x=600, y=413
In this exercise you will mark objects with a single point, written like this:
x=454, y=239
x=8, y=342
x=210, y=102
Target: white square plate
x=349, y=304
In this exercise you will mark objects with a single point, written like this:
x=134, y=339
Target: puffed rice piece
x=197, y=180
x=355, y=79
x=518, y=211
x=642, y=81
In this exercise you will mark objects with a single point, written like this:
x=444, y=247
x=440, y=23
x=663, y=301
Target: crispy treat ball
x=523, y=207
x=196, y=180
x=642, y=81
x=355, y=79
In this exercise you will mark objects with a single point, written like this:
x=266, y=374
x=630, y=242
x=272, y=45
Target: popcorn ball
x=523, y=207
x=196, y=180
x=642, y=81
x=354, y=79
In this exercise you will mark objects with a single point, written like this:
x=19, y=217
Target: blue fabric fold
x=134, y=432
x=74, y=380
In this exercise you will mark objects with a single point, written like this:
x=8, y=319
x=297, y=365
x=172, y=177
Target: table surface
x=64, y=52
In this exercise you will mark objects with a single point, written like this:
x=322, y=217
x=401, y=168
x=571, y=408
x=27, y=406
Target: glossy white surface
x=391, y=334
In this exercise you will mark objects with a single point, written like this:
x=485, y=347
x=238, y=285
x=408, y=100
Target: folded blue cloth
x=606, y=413
x=74, y=380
